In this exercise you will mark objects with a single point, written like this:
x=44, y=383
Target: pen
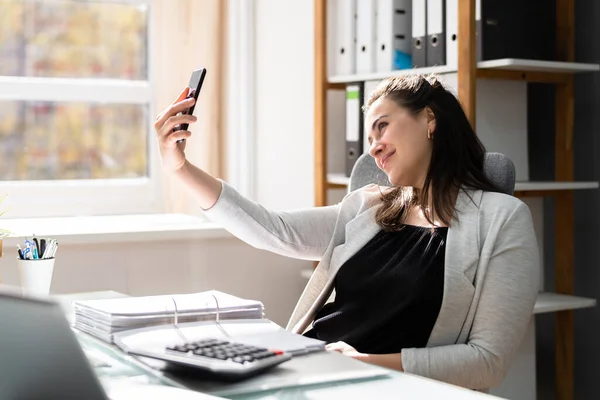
x=32, y=250
x=55, y=248
x=47, y=249
x=51, y=246
x=37, y=247
x=27, y=251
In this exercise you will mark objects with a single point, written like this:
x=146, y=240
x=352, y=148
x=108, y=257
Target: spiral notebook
x=104, y=318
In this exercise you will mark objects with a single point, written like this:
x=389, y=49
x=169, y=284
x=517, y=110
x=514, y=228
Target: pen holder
x=36, y=275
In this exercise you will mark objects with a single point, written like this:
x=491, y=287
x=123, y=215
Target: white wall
x=284, y=103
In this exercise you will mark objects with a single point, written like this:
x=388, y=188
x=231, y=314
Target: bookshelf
x=560, y=74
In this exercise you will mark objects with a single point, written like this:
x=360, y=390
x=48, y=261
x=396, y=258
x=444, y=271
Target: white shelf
x=552, y=302
x=376, y=76
x=338, y=179
x=545, y=303
x=513, y=64
x=342, y=179
x=533, y=186
x=516, y=64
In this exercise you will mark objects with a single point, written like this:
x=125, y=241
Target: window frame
x=241, y=97
x=44, y=198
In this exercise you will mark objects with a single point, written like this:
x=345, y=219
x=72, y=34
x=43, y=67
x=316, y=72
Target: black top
x=389, y=294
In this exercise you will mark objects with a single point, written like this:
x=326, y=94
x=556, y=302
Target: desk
x=113, y=366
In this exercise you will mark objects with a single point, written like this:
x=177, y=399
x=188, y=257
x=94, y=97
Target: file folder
x=436, y=32
x=514, y=29
x=344, y=40
x=394, y=35
x=419, y=33
x=354, y=125
x=365, y=36
x=452, y=33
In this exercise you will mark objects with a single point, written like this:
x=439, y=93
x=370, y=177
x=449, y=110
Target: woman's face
x=399, y=141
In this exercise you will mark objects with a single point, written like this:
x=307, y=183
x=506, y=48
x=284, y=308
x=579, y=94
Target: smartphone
x=195, y=85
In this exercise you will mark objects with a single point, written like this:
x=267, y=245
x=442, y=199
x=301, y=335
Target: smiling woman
x=422, y=139
x=436, y=275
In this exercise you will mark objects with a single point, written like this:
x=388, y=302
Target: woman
x=436, y=275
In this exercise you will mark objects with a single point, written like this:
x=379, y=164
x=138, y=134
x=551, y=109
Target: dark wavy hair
x=456, y=161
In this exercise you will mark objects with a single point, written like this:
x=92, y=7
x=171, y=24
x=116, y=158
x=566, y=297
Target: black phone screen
x=195, y=86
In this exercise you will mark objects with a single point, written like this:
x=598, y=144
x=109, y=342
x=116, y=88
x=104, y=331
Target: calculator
x=219, y=358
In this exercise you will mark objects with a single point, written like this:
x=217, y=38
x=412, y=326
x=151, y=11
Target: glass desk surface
x=113, y=366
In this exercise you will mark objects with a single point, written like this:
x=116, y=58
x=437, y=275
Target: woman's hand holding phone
x=172, y=152
x=171, y=132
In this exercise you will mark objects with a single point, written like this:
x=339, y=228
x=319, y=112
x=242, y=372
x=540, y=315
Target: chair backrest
x=498, y=168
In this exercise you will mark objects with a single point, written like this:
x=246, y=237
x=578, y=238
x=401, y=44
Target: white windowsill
x=115, y=228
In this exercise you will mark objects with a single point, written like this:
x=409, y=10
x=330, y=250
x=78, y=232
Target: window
x=76, y=108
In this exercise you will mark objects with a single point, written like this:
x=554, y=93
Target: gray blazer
x=491, y=273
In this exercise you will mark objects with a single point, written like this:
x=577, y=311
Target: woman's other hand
x=172, y=152
x=390, y=361
x=343, y=348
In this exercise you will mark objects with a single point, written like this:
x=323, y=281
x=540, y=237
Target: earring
x=429, y=135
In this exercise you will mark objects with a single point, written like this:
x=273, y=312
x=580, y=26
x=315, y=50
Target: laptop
x=40, y=358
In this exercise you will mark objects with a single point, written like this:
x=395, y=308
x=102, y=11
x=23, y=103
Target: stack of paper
x=103, y=318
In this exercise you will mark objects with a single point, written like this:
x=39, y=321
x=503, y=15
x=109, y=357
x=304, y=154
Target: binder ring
x=175, y=314
x=217, y=317
x=176, y=321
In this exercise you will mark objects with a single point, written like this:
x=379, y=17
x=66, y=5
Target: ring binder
x=104, y=318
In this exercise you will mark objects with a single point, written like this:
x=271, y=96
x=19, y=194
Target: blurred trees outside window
x=42, y=40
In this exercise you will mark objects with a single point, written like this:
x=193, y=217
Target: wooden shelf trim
x=320, y=107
